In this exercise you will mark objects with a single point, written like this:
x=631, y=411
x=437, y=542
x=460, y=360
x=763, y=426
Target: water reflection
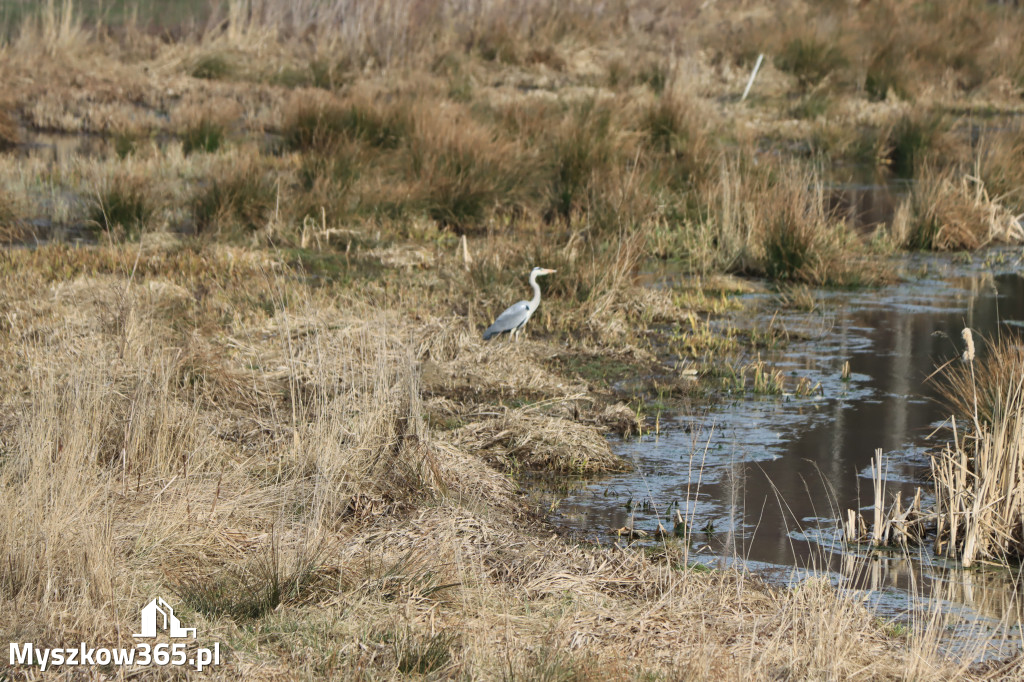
x=866, y=205
x=771, y=475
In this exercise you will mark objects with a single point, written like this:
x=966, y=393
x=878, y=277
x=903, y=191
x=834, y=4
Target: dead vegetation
x=529, y=440
x=207, y=426
x=976, y=516
x=953, y=211
x=261, y=388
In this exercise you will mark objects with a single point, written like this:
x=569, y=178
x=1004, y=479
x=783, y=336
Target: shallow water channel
x=762, y=479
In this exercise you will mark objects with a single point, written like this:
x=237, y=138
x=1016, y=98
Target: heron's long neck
x=535, y=301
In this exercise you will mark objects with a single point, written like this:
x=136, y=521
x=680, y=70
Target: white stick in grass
x=753, y=75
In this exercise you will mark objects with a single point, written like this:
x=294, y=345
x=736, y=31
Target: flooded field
x=762, y=479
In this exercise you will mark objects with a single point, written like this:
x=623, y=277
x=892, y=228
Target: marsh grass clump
x=313, y=124
x=423, y=655
x=255, y=588
x=204, y=135
x=12, y=227
x=885, y=71
x=655, y=75
x=327, y=178
x=678, y=131
x=888, y=70
x=979, y=475
x=9, y=133
x=497, y=42
x=463, y=173
x=125, y=203
x=582, y=151
x=213, y=66
x=812, y=105
x=977, y=385
x=811, y=59
x=949, y=210
x=125, y=142
x=788, y=242
x=243, y=200
x=775, y=222
x=1000, y=166
x=912, y=139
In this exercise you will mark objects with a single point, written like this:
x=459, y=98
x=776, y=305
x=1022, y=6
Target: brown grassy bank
x=259, y=390
x=211, y=427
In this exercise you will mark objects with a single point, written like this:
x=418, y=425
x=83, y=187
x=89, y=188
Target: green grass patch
x=251, y=590
x=595, y=369
x=205, y=135
x=123, y=205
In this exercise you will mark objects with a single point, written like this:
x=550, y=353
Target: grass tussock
x=978, y=385
x=204, y=135
x=911, y=140
x=274, y=575
x=12, y=228
x=950, y=210
x=583, y=153
x=979, y=486
x=125, y=204
x=213, y=66
x=999, y=167
x=463, y=174
x=678, y=131
x=810, y=58
x=321, y=123
x=775, y=223
x=524, y=439
x=10, y=136
x=240, y=202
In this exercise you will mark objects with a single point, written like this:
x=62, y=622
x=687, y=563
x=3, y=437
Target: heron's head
x=537, y=272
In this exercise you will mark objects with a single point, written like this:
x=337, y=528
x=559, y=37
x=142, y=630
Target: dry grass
x=774, y=222
x=9, y=133
x=531, y=440
x=207, y=426
x=950, y=210
x=297, y=438
x=979, y=389
x=999, y=168
x=978, y=474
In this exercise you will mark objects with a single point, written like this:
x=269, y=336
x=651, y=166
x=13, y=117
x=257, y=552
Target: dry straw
x=978, y=514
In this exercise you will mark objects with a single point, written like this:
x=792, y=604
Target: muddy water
x=761, y=480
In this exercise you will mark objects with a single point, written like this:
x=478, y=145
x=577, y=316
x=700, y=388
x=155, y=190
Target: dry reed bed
x=435, y=127
x=212, y=429
x=978, y=513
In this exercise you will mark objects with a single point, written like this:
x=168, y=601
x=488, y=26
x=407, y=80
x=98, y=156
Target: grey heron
x=516, y=316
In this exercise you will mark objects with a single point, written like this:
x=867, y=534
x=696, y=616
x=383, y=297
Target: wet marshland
x=762, y=479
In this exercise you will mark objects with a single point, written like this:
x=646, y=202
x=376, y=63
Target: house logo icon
x=158, y=614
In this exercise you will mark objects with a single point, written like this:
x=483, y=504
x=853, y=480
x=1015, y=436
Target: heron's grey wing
x=514, y=317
